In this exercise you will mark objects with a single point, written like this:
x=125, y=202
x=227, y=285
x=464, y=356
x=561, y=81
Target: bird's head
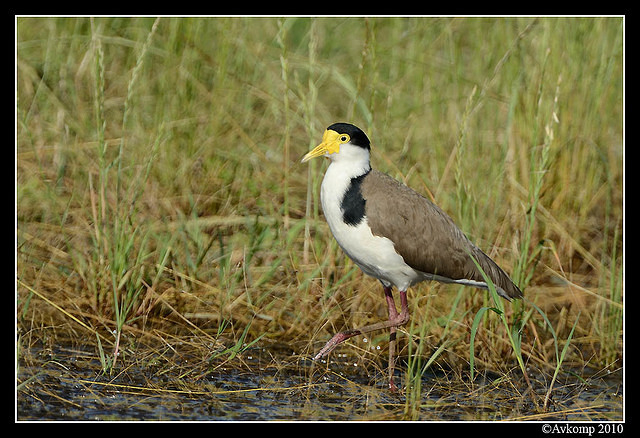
x=342, y=141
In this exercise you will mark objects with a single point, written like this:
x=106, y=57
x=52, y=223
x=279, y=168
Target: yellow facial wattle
x=331, y=141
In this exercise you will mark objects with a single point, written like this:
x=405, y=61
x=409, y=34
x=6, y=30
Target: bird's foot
x=333, y=342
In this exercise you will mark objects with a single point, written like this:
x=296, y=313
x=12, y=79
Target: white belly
x=375, y=255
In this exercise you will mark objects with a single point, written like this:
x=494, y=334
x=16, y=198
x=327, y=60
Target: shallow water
x=66, y=384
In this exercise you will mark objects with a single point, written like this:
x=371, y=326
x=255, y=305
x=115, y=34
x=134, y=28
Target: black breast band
x=352, y=204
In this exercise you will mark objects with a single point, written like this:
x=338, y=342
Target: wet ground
x=66, y=384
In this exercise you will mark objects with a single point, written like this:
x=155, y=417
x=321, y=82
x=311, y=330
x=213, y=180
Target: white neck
x=350, y=162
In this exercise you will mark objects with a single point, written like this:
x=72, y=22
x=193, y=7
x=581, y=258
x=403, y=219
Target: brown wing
x=424, y=235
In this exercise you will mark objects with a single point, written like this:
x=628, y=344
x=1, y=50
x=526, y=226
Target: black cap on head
x=358, y=137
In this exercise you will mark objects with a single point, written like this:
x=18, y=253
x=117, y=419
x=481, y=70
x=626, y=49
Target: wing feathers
x=424, y=235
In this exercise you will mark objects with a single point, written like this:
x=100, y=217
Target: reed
x=159, y=188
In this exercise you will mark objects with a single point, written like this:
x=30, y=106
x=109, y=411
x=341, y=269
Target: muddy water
x=66, y=384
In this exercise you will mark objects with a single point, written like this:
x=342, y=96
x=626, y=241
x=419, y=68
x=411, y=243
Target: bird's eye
x=344, y=138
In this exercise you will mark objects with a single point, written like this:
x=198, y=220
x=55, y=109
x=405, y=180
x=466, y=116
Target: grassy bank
x=160, y=196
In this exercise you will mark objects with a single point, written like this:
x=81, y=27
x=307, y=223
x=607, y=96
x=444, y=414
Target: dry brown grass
x=159, y=192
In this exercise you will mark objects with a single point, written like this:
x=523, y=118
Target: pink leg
x=403, y=317
x=393, y=314
x=395, y=320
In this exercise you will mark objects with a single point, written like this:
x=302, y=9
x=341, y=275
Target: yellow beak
x=330, y=145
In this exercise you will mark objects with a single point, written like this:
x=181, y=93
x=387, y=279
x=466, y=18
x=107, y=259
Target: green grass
x=159, y=189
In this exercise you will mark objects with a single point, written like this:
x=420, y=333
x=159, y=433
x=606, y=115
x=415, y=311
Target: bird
x=393, y=233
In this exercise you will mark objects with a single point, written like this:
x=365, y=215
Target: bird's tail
x=504, y=285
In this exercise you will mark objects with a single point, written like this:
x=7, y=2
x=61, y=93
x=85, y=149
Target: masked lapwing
x=393, y=233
